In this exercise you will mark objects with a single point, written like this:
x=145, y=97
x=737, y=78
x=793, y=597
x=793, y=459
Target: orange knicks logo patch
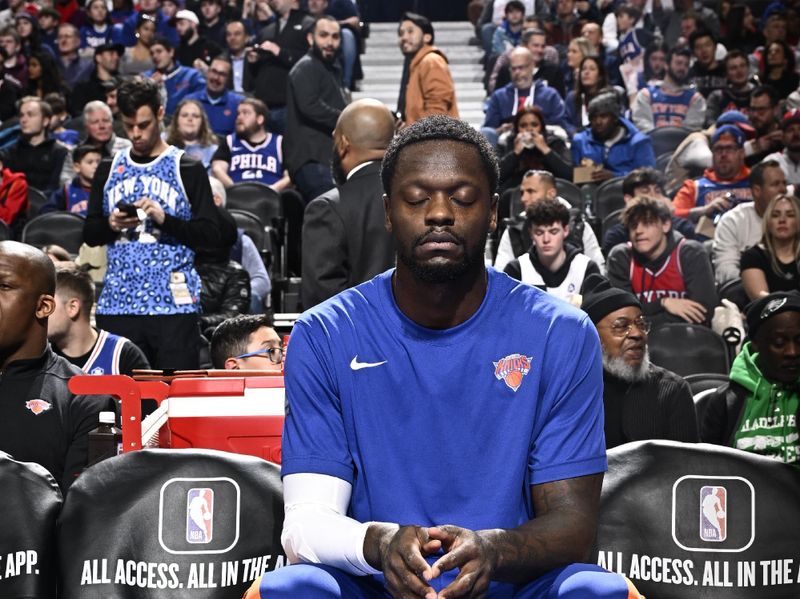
x=511, y=369
x=37, y=406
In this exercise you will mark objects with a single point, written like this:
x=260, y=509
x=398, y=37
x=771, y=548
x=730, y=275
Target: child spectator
x=97, y=30
x=74, y=196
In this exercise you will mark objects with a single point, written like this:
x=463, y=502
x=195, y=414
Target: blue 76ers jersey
x=261, y=164
x=146, y=267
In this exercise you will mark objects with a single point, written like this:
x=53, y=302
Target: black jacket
x=345, y=241
x=86, y=91
x=41, y=164
x=722, y=410
x=314, y=100
x=267, y=78
x=42, y=421
x=224, y=291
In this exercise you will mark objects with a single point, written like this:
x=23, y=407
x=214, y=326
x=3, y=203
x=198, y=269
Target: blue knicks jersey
x=145, y=267
x=669, y=110
x=104, y=358
x=262, y=163
x=434, y=426
x=76, y=199
x=708, y=190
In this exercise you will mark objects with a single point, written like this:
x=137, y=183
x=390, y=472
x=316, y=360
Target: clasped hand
x=408, y=574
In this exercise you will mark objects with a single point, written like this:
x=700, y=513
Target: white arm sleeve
x=315, y=528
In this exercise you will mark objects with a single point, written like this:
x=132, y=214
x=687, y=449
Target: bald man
x=40, y=420
x=345, y=241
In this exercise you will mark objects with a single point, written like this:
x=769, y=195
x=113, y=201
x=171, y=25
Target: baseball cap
x=188, y=15
x=729, y=130
x=790, y=116
x=110, y=46
x=761, y=310
x=737, y=118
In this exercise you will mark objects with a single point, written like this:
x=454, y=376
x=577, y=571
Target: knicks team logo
x=37, y=406
x=199, y=515
x=713, y=514
x=512, y=369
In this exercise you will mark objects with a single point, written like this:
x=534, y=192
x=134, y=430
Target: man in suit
x=345, y=241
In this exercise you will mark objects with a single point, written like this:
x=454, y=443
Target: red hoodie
x=13, y=195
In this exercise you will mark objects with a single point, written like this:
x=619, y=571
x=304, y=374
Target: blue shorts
x=576, y=581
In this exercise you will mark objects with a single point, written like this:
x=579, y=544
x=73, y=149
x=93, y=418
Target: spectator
x=741, y=31
x=346, y=12
x=99, y=127
x=34, y=378
x=707, y=73
x=611, y=33
x=10, y=91
x=345, y=241
x=641, y=401
x=97, y=31
x=190, y=131
x=565, y=25
x=149, y=8
x=592, y=78
x=246, y=342
x=176, y=80
x=736, y=94
x=764, y=115
x=251, y=153
x=13, y=198
x=775, y=29
x=71, y=65
x=673, y=103
x=779, y=69
x=36, y=153
x=771, y=265
x=73, y=337
x=741, y=228
x=643, y=182
x=14, y=7
x=655, y=64
x=173, y=215
x=236, y=45
x=137, y=58
x=67, y=137
x=244, y=252
x=578, y=49
x=213, y=23
x=74, y=196
x=611, y=141
x=671, y=22
x=281, y=44
x=533, y=147
x=756, y=410
x=507, y=35
x=28, y=28
x=503, y=104
x=426, y=87
x=106, y=66
x=48, y=19
x=671, y=276
x=194, y=50
x=43, y=76
x=534, y=40
x=551, y=264
x=723, y=185
x=789, y=159
x=315, y=100
x=15, y=65
x=515, y=239
x=217, y=101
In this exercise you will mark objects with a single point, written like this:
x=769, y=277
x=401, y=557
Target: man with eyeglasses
x=73, y=68
x=219, y=103
x=722, y=186
x=640, y=400
x=246, y=342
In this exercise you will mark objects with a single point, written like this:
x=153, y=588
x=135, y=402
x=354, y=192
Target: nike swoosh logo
x=356, y=365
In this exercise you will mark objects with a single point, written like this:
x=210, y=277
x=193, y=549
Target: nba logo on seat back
x=713, y=514
x=199, y=515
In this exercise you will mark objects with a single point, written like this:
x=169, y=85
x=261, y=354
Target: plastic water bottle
x=106, y=440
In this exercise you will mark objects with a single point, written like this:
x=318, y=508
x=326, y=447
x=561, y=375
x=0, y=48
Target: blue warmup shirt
x=444, y=426
x=179, y=83
x=143, y=270
x=221, y=111
x=262, y=163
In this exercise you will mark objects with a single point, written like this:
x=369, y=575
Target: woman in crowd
x=137, y=58
x=533, y=148
x=31, y=36
x=779, y=70
x=741, y=31
x=97, y=30
x=772, y=265
x=43, y=76
x=655, y=64
x=591, y=79
x=190, y=130
x=578, y=49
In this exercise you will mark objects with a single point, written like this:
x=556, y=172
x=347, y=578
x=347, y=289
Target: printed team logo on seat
x=512, y=369
x=199, y=515
x=37, y=406
x=713, y=514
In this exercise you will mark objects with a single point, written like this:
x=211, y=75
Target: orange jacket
x=686, y=198
x=430, y=88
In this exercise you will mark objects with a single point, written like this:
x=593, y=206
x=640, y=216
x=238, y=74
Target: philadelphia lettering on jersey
x=667, y=281
x=669, y=109
x=105, y=355
x=262, y=163
x=149, y=272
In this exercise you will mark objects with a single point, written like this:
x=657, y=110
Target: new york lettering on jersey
x=708, y=191
x=262, y=163
x=667, y=281
x=669, y=110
